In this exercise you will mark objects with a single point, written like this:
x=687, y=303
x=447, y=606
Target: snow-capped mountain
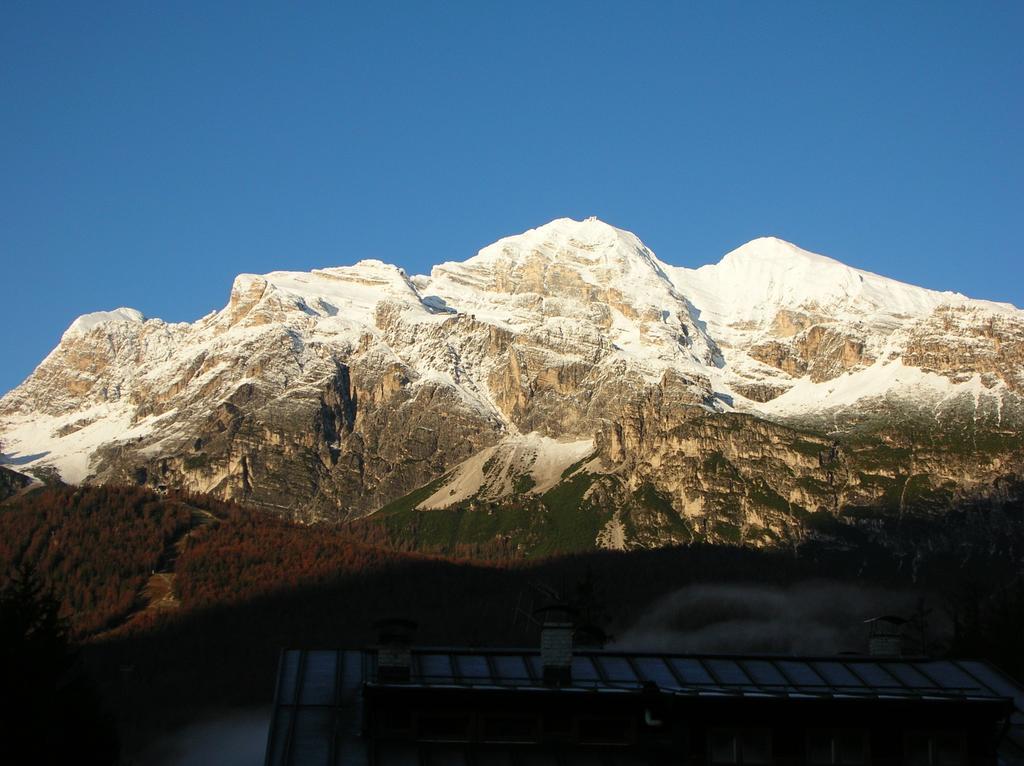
x=568, y=348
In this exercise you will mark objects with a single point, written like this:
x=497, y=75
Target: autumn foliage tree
x=93, y=547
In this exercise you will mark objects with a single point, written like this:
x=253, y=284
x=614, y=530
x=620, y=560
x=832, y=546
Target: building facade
x=522, y=707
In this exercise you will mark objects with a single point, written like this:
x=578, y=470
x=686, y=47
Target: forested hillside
x=94, y=547
x=244, y=586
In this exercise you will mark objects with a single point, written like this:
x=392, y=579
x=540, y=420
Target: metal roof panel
x=728, y=672
x=311, y=736
x=473, y=667
x=289, y=674
x=318, y=678
x=510, y=667
x=617, y=669
x=838, y=675
x=801, y=674
x=655, y=670
x=765, y=673
x=947, y=675
x=436, y=667
x=994, y=681
x=874, y=675
x=691, y=671
x=278, y=736
x=909, y=675
x=583, y=669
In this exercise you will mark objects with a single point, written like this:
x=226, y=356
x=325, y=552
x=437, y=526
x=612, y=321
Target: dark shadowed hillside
x=243, y=586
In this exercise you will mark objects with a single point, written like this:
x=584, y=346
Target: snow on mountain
x=787, y=318
x=557, y=331
x=577, y=278
x=350, y=293
x=749, y=285
x=500, y=471
x=87, y=322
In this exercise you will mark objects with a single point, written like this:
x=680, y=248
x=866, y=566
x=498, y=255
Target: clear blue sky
x=150, y=151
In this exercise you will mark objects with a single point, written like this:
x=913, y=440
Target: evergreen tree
x=50, y=710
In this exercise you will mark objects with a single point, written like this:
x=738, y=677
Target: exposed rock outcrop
x=737, y=402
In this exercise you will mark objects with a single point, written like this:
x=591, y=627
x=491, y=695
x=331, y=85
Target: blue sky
x=151, y=151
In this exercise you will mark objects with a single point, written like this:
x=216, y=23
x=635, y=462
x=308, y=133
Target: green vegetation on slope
x=571, y=523
x=559, y=521
x=409, y=502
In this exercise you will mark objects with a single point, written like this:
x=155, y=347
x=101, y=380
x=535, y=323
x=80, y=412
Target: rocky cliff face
x=11, y=482
x=733, y=402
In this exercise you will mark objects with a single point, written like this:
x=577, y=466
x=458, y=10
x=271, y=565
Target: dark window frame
x=484, y=719
x=558, y=727
x=930, y=736
x=385, y=719
x=420, y=717
x=737, y=732
x=832, y=733
x=628, y=727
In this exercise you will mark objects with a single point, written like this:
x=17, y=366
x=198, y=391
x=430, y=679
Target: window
x=936, y=749
x=509, y=728
x=392, y=721
x=443, y=728
x=839, y=746
x=605, y=731
x=558, y=726
x=740, y=746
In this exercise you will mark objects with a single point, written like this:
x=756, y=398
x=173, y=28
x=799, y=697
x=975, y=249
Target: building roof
x=320, y=691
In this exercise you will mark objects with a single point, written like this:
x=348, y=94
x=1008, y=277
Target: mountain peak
x=754, y=281
x=589, y=225
x=590, y=234
x=86, y=322
x=541, y=261
x=777, y=250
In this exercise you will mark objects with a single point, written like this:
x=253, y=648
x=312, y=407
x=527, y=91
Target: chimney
x=556, y=645
x=885, y=636
x=394, y=659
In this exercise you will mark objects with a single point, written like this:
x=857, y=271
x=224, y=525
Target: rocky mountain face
x=11, y=482
x=561, y=384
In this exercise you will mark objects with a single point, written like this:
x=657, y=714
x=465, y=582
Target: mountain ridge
x=743, y=253
x=331, y=393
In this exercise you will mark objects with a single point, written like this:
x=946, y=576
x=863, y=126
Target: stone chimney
x=394, y=658
x=556, y=645
x=885, y=636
